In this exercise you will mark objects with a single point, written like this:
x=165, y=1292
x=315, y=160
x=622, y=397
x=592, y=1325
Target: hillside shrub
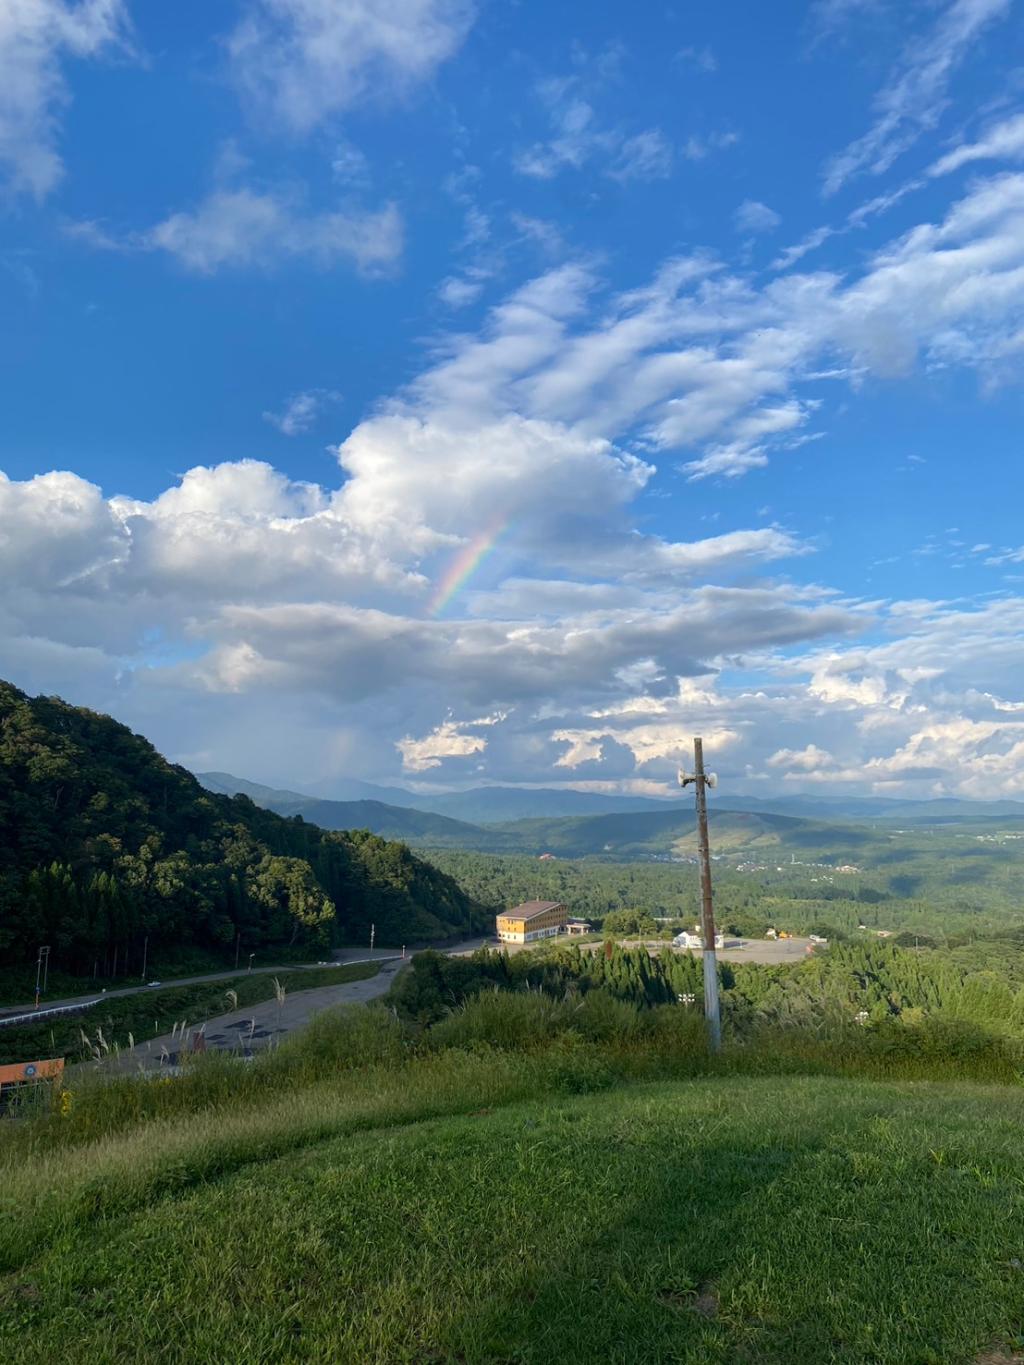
x=515, y=1020
x=339, y=1039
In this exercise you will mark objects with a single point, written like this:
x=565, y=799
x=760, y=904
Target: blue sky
x=685, y=342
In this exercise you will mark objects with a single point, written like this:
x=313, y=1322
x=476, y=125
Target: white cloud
x=807, y=760
x=57, y=530
x=458, y=291
x=447, y=740
x=915, y=95
x=285, y=598
x=301, y=61
x=646, y=156
x=579, y=138
x=701, y=58
x=753, y=216
x=697, y=147
x=537, y=438
x=36, y=36
x=702, y=360
x=1002, y=142
x=241, y=227
x=349, y=165
x=301, y=411
x=727, y=461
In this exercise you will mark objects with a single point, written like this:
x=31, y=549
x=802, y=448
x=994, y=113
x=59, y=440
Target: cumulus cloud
x=57, y=530
x=302, y=61
x=538, y=437
x=446, y=741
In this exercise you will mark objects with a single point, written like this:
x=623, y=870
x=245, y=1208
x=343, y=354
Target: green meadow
x=529, y=1180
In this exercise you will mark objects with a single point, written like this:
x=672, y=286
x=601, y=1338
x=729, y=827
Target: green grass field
x=152, y=1012
x=473, y=1206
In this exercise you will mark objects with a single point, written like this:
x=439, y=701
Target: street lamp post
x=700, y=782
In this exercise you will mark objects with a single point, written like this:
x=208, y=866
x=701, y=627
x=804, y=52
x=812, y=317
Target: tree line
x=850, y=986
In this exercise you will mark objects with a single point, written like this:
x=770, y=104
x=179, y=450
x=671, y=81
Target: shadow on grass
x=763, y=1252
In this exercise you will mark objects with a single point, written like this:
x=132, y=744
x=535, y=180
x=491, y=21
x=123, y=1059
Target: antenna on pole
x=701, y=781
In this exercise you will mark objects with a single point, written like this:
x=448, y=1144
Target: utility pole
x=44, y=957
x=701, y=781
x=145, y=956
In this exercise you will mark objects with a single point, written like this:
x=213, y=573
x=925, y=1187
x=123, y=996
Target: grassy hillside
x=109, y=853
x=559, y=1203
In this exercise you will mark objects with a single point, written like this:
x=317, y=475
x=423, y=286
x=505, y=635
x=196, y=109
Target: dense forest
x=104, y=844
x=922, y=893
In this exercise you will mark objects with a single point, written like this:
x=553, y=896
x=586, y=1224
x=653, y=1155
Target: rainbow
x=464, y=565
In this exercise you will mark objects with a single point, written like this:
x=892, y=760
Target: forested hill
x=103, y=842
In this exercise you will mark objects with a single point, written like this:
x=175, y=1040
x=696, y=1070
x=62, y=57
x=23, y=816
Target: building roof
x=530, y=909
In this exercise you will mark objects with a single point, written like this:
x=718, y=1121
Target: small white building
x=695, y=941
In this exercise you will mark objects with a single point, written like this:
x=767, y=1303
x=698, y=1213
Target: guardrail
x=54, y=1012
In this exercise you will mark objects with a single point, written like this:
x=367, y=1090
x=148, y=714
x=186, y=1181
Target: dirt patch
x=703, y=1301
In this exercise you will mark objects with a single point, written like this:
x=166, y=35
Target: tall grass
x=114, y=1141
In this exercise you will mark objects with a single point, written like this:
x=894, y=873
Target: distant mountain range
x=797, y=823
x=410, y=825
x=498, y=805
x=939, y=810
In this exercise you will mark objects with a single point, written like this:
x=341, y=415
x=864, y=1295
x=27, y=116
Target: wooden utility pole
x=43, y=958
x=701, y=781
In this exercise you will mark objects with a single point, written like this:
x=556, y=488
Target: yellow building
x=531, y=920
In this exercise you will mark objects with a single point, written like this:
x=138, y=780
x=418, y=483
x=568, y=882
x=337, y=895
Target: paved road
x=257, y=1026
x=341, y=955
